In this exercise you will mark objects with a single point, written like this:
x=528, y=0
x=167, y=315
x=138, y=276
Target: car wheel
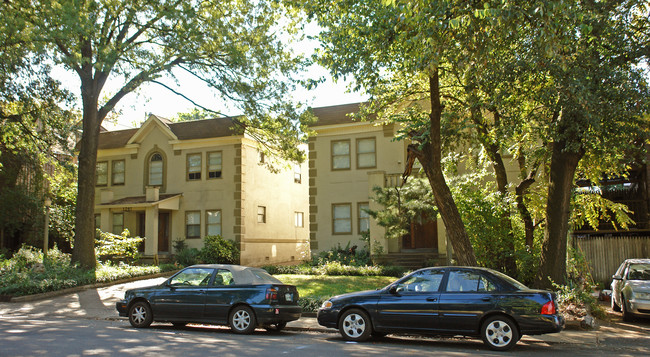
x=140, y=314
x=276, y=327
x=499, y=333
x=627, y=315
x=615, y=306
x=355, y=325
x=242, y=320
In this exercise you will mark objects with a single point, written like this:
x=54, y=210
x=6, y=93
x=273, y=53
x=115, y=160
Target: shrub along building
x=170, y=181
x=347, y=159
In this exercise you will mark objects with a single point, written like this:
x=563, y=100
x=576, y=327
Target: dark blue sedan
x=466, y=301
x=234, y=295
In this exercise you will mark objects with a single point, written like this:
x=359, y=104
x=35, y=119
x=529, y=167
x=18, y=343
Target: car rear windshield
x=261, y=276
x=513, y=282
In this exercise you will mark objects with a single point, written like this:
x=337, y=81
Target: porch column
x=105, y=223
x=151, y=231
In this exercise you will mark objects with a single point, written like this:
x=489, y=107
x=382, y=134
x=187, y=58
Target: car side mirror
x=617, y=277
x=394, y=290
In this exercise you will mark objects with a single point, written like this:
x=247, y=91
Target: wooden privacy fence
x=605, y=254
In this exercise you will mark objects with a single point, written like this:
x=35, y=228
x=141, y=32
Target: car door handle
x=432, y=299
x=487, y=298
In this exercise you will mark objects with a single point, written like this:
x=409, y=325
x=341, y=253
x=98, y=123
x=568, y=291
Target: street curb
x=51, y=294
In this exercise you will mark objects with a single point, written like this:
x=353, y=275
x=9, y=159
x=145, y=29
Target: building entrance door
x=142, y=221
x=422, y=236
x=163, y=232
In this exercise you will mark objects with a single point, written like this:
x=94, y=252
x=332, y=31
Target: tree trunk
x=506, y=249
x=529, y=226
x=558, y=208
x=84, y=242
x=431, y=160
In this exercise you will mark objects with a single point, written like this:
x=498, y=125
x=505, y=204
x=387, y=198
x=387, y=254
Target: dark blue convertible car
x=446, y=301
x=234, y=295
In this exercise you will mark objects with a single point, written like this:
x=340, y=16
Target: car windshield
x=639, y=272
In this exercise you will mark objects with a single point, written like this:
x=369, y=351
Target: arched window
x=156, y=170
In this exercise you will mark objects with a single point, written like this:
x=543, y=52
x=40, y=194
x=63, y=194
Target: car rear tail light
x=271, y=294
x=549, y=308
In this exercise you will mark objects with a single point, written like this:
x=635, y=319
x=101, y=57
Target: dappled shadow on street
x=462, y=344
x=96, y=303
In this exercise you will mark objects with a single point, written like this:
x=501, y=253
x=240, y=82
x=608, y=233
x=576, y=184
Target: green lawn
x=325, y=285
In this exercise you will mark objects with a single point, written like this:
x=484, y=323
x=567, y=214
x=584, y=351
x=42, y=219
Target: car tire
x=242, y=320
x=276, y=327
x=140, y=314
x=355, y=325
x=615, y=306
x=499, y=333
x=376, y=334
x=627, y=315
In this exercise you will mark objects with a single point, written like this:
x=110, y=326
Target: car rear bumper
x=542, y=324
x=121, y=308
x=277, y=314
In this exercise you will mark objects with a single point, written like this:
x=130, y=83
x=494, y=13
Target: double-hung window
x=156, y=170
x=341, y=155
x=118, y=223
x=193, y=224
x=363, y=217
x=101, y=174
x=213, y=223
x=297, y=173
x=261, y=214
x=342, y=218
x=366, y=153
x=193, y=167
x=299, y=219
x=214, y=164
x=117, y=173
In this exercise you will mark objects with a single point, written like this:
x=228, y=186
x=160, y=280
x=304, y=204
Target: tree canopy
x=558, y=85
x=235, y=46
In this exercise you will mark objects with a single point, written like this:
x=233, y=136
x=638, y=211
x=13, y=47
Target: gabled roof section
x=153, y=120
x=189, y=130
x=336, y=114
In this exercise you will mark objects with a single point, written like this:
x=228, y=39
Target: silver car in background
x=631, y=288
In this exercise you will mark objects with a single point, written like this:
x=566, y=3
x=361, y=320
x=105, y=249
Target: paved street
x=85, y=323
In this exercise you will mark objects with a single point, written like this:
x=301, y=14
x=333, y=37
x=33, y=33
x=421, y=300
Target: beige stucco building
x=183, y=181
x=346, y=160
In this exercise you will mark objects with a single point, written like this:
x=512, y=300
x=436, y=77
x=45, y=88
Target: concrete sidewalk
x=98, y=303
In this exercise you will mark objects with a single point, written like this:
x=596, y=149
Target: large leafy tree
x=555, y=83
x=34, y=127
x=595, y=95
x=401, y=52
x=233, y=45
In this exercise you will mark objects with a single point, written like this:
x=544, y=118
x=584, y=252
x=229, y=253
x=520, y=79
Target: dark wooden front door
x=142, y=221
x=163, y=232
x=423, y=236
